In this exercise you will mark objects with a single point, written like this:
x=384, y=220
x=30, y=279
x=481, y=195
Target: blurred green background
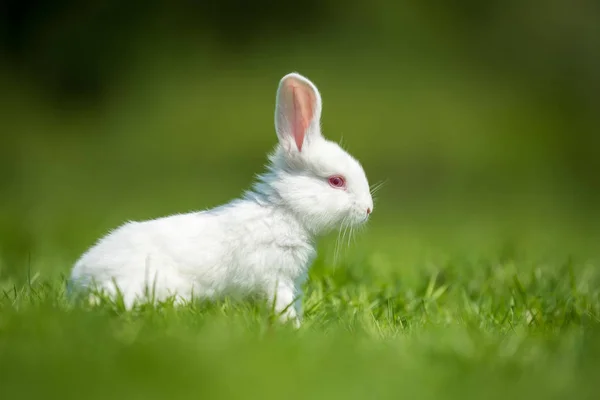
x=476, y=277
x=481, y=117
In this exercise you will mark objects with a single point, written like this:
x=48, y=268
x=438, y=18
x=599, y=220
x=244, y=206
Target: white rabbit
x=260, y=244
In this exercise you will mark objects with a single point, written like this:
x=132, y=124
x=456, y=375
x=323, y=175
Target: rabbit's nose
x=368, y=211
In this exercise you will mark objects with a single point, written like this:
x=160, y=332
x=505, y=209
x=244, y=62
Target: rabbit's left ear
x=297, y=111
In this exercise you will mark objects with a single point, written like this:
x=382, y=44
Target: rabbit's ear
x=297, y=112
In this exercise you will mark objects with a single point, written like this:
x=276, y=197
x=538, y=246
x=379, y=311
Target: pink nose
x=368, y=211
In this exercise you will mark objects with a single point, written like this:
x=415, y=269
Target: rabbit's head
x=323, y=185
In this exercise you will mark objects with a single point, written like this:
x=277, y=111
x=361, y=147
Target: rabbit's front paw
x=285, y=304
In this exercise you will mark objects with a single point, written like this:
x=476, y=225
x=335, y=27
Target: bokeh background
x=480, y=116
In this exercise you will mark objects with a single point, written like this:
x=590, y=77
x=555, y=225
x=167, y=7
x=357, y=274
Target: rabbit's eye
x=337, y=181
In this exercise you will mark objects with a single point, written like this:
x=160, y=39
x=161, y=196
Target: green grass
x=499, y=326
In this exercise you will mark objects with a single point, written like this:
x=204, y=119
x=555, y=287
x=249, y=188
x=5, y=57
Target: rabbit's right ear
x=297, y=111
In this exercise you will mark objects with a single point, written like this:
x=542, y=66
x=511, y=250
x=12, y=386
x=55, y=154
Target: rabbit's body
x=261, y=244
x=238, y=249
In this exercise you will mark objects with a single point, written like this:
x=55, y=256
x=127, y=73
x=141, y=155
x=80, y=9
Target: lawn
x=497, y=326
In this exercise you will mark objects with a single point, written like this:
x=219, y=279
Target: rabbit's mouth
x=360, y=219
x=364, y=220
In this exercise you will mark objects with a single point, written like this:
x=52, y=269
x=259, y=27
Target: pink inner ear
x=303, y=101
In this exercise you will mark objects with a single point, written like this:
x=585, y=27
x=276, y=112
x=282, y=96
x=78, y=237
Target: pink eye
x=337, y=181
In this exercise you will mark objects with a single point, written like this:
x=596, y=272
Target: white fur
x=261, y=244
